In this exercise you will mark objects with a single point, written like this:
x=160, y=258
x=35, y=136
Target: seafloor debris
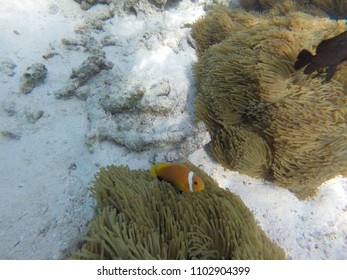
x=33, y=75
x=89, y=68
x=122, y=102
x=7, y=67
x=9, y=106
x=33, y=115
x=11, y=134
x=135, y=104
x=49, y=55
x=86, y=4
x=92, y=66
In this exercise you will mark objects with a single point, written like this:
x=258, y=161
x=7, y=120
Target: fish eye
x=195, y=182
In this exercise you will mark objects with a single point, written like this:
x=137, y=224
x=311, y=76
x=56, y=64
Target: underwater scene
x=173, y=129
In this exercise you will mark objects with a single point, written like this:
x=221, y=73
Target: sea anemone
x=140, y=217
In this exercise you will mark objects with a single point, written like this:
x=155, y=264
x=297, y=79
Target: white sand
x=46, y=167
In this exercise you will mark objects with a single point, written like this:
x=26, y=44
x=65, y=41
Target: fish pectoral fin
x=330, y=72
x=310, y=68
x=153, y=172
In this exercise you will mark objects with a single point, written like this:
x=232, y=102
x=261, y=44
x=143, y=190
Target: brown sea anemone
x=266, y=119
x=333, y=8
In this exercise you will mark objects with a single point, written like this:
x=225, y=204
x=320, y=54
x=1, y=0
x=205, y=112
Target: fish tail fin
x=153, y=172
x=304, y=58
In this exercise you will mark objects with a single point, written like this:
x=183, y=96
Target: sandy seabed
x=47, y=164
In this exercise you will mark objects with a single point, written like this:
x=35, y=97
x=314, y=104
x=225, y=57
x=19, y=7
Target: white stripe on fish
x=190, y=180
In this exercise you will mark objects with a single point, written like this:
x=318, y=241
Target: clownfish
x=178, y=175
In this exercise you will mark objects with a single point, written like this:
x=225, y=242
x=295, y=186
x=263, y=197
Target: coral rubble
x=86, y=4
x=132, y=97
x=91, y=67
x=266, y=119
x=139, y=217
x=33, y=76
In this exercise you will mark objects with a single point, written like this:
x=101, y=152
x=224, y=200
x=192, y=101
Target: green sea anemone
x=139, y=217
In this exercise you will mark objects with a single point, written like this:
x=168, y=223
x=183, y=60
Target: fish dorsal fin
x=190, y=180
x=162, y=164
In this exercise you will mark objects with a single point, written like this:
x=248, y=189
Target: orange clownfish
x=178, y=175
